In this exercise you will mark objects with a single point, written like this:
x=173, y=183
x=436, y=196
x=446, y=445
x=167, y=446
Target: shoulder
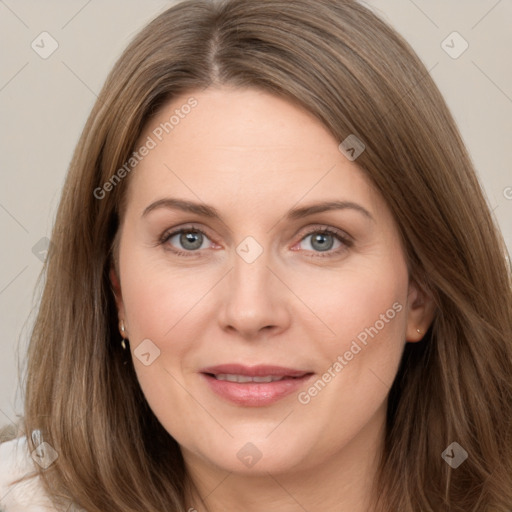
x=26, y=496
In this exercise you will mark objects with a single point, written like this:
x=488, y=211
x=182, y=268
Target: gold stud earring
x=123, y=330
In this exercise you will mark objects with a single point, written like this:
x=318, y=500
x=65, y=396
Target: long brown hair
x=358, y=76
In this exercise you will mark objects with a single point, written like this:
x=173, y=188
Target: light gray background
x=44, y=104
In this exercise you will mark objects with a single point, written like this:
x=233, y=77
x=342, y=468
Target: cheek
x=171, y=307
x=367, y=300
x=372, y=331
x=163, y=304
x=364, y=308
x=158, y=297
x=355, y=298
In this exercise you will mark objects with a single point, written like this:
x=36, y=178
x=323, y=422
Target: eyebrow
x=293, y=214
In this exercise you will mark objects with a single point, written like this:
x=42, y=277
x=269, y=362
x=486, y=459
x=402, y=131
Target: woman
x=274, y=284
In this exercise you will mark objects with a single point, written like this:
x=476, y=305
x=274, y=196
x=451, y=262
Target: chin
x=257, y=457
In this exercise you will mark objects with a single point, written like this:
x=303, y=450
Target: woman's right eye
x=186, y=241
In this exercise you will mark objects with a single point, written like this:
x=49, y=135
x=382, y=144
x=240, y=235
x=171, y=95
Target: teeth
x=245, y=378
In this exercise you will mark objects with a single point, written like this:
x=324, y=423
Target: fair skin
x=253, y=157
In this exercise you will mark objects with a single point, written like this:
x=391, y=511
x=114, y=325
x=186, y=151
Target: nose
x=254, y=302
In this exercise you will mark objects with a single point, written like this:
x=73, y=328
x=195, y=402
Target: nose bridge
x=251, y=278
x=252, y=299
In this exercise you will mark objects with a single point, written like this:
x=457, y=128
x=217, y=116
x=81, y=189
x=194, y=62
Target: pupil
x=320, y=238
x=192, y=238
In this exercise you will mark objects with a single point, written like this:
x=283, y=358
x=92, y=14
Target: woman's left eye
x=323, y=241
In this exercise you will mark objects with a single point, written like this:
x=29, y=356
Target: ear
x=420, y=312
x=116, y=288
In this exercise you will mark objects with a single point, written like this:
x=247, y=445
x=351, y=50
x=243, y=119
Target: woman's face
x=255, y=286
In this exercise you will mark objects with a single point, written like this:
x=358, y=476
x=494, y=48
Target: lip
x=255, y=394
x=260, y=370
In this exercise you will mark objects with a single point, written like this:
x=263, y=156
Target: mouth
x=254, y=386
x=245, y=378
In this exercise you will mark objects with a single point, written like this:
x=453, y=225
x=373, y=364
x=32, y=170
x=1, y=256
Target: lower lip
x=255, y=394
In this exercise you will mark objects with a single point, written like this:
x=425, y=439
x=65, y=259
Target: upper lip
x=261, y=370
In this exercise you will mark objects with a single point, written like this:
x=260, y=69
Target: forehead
x=243, y=144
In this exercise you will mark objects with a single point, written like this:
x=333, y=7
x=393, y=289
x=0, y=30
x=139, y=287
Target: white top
x=27, y=496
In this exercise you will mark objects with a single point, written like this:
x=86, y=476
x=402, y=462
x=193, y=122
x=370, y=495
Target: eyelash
x=347, y=243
